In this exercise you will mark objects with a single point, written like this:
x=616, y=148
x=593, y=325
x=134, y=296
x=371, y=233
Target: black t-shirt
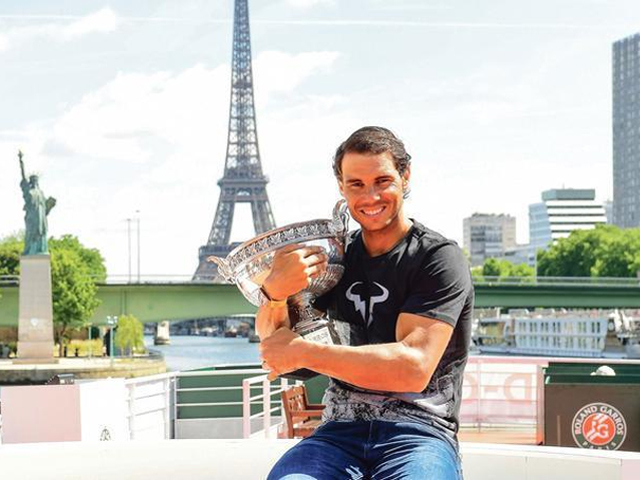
x=424, y=274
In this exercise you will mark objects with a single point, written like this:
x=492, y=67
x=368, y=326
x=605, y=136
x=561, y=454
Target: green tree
x=476, y=273
x=89, y=257
x=504, y=269
x=74, y=293
x=129, y=335
x=10, y=250
x=605, y=251
x=75, y=270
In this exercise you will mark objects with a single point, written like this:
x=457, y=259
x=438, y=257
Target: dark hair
x=373, y=140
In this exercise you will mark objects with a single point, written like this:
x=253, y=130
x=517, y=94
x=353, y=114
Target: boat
x=591, y=334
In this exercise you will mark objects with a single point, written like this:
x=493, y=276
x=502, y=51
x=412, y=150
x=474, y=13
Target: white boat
x=594, y=334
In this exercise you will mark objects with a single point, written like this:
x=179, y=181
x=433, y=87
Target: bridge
x=158, y=301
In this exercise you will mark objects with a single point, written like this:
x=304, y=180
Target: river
x=189, y=352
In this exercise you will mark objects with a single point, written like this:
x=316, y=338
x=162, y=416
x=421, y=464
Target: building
x=488, y=236
x=626, y=131
x=561, y=212
x=608, y=210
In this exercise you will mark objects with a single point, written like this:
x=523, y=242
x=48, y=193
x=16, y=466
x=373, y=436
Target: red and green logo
x=599, y=425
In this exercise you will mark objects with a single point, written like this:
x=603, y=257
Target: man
x=407, y=299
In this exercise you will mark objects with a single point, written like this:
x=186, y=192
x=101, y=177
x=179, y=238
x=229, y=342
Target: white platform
x=252, y=459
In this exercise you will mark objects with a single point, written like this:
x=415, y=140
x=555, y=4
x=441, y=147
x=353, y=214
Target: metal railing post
x=246, y=408
x=266, y=405
x=167, y=407
x=132, y=424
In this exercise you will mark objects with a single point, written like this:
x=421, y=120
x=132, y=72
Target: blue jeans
x=373, y=450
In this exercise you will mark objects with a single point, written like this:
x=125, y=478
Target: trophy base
x=302, y=374
x=318, y=330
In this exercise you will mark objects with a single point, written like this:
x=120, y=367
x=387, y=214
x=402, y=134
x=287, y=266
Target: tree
x=75, y=270
x=10, y=250
x=89, y=257
x=605, y=251
x=74, y=293
x=503, y=269
x=130, y=334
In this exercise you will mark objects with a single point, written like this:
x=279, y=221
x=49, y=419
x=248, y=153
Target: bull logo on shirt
x=360, y=304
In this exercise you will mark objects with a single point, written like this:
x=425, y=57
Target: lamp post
x=112, y=320
x=90, y=346
x=129, y=245
x=138, y=237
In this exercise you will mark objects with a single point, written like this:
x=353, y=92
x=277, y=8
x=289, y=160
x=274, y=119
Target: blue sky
x=122, y=107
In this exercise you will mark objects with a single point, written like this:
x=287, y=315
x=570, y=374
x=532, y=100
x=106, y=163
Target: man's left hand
x=280, y=352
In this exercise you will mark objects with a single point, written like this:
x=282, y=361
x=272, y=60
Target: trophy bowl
x=249, y=264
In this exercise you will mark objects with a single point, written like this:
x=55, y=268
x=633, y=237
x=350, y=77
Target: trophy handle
x=223, y=268
x=341, y=217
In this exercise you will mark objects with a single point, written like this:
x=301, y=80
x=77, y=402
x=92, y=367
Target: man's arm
x=403, y=366
x=269, y=319
x=293, y=268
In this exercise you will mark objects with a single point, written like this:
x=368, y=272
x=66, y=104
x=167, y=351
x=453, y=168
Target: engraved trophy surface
x=250, y=263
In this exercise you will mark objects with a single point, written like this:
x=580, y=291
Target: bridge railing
x=125, y=279
x=558, y=281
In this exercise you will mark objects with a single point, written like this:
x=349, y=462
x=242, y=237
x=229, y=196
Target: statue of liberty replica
x=36, y=208
x=35, y=323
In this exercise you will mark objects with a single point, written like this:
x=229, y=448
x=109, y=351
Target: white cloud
x=309, y=3
x=279, y=72
x=104, y=20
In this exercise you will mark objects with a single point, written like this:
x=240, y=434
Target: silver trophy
x=249, y=264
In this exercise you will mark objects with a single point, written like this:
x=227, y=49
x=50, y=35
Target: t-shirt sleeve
x=441, y=287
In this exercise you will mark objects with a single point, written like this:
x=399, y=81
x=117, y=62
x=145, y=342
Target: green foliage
x=129, y=334
x=73, y=291
x=10, y=250
x=606, y=251
x=89, y=257
x=494, y=267
x=476, y=273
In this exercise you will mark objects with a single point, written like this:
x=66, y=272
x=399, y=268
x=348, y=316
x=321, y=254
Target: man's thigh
x=412, y=453
x=331, y=453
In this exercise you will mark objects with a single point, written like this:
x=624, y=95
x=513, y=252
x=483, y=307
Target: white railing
x=508, y=390
x=151, y=406
x=501, y=391
x=265, y=400
x=152, y=402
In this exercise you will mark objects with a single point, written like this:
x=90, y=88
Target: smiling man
x=404, y=308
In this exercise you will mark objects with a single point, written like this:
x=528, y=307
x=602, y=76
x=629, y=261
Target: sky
x=122, y=108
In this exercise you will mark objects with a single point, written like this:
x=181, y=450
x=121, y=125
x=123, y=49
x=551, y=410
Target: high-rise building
x=488, y=236
x=561, y=212
x=626, y=132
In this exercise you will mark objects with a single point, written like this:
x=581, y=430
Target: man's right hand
x=294, y=266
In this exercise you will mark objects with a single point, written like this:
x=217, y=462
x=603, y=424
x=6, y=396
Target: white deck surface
x=252, y=459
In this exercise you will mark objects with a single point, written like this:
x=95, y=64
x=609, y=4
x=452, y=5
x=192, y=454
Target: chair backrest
x=293, y=399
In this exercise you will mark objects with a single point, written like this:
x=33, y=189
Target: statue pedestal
x=35, y=327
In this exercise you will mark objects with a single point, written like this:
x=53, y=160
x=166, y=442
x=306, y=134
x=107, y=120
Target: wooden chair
x=302, y=418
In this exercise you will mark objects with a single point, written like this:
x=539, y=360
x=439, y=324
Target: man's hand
x=280, y=352
x=294, y=266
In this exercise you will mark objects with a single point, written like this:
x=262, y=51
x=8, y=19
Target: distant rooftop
x=569, y=194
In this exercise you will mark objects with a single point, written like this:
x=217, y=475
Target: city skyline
x=496, y=103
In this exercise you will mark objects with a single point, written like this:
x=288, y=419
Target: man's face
x=373, y=189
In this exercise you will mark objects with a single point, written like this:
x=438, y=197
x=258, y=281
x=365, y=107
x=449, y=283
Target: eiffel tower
x=243, y=179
